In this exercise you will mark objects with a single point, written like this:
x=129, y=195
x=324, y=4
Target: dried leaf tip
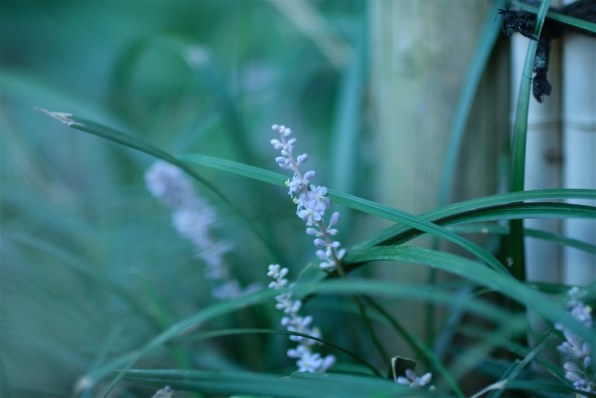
x=60, y=116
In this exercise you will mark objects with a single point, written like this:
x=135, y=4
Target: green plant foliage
x=104, y=294
x=296, y=385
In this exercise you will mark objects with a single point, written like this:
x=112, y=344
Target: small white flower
x=312, y=205
x=574, y=346
x=582, y=313
x=165, y=392
x=411, y=380
x=309, y=362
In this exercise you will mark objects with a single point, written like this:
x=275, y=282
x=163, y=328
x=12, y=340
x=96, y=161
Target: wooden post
x=421, y=50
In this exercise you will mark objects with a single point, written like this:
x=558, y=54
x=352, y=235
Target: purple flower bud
x=333, y=219
x=301, y=159
x=313, y=232
x=319, y=242
x=308, y=176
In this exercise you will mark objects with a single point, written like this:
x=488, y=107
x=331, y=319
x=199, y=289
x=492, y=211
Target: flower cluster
x=306, y=359
x=577, y=352
x=411, y=380
x=194, y=220
x=312, y=203
x=311, y=200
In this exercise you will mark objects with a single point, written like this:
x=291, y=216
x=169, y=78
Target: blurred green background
x=90, y=265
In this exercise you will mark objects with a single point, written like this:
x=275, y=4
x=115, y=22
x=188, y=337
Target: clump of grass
x=102, y=279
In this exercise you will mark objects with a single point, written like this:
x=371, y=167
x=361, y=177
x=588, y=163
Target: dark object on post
x=523, y=22
x=518, y=21
x=540, y=84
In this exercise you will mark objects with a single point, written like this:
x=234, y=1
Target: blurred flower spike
x=578, y=353
x=194, y=219
x=311, y=200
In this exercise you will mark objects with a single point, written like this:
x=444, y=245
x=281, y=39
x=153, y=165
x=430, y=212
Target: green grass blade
x=528, y=232
x=525, y=210
x=137, y=143
x=107, y=344
x=342, y=287
x=401, y=234
x=391, y=290
x=245, y=331
x=417, y=223
x=481, y=203
x=510, y=197
x=229, y=166
x=557, y=16
x=469, y=270
x=179, y=328
x=386, y=235
x=381, y=315
x=353, y=202
x=471, y=358
x=513, y=372
x=248, y=383
x=347, y=200
x=518, y=151
x=512, y=347
x=127, y=140
x=484, y=48
x=419, y=346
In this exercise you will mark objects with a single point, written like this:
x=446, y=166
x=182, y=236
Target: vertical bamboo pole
x=420, y=53
x=542, y=157
x=579, y=143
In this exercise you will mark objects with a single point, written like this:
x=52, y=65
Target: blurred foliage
x=94, y=278
x=90, y=264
